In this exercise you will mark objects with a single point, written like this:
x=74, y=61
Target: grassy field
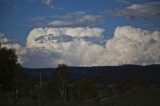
x=145, y=96
x=149, y=96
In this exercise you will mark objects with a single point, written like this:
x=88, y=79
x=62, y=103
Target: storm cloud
x=48, y=47
x=129, y=45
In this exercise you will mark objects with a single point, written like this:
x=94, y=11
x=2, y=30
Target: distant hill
x=105, y=74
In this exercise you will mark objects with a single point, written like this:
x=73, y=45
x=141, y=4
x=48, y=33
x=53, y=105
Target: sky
x=18, y=18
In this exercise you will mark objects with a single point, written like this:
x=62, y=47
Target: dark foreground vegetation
x=65, y=87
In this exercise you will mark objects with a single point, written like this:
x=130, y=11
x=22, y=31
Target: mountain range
x=107, y=74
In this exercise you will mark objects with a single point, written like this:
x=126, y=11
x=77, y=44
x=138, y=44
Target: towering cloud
x=81, y=47
x=133, y=46
x=74, y=46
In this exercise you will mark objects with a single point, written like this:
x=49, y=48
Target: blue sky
x=19, y=17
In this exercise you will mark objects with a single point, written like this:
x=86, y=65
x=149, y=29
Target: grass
x=146, y=96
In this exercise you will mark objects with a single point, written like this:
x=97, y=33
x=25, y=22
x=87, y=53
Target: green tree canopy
x=59, y=83
x=8, y=64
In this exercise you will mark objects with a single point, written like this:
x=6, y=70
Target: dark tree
x=22, y=83
x=8, y=64
x=12, y=77
x=59, y=83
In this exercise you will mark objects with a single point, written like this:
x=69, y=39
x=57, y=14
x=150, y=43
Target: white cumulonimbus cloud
x=133, y=46
x=49, y=47
x=63, y=45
